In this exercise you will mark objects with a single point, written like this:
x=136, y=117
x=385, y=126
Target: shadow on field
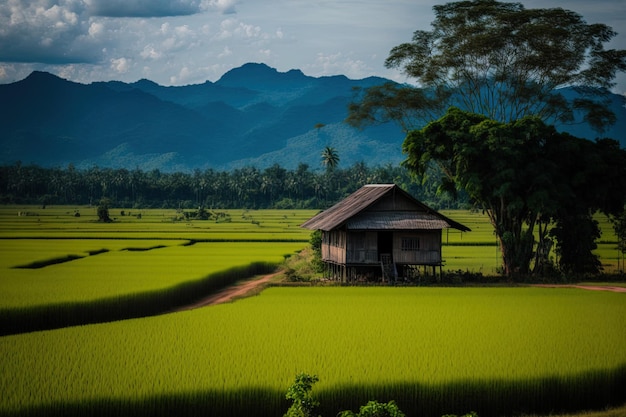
x=54, y=316
x=592, y=390
x=48, y=262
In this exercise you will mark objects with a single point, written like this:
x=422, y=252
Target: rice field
x=61, y=223
x=497, y=351
x=61, y=269
x=117, y=273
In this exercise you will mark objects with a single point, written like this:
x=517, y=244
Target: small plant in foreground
x=304, y=403
x=300, y=392
x=375, y=409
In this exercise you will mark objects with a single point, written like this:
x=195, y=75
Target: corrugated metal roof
x=348, y=209
x=406, y=220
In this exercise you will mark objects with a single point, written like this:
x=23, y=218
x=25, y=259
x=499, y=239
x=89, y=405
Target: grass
x=433, y=350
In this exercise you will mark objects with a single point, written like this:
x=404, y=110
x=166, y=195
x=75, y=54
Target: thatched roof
x=352, y=212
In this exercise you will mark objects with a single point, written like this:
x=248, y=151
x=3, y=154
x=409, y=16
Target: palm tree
x=330, y=158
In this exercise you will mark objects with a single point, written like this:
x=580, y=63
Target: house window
x=410, y=244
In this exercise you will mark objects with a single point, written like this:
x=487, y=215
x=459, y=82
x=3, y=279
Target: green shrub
x=300, y=393
x=376, y=409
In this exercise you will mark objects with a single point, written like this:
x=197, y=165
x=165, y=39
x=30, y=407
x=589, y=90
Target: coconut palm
x=330, y=158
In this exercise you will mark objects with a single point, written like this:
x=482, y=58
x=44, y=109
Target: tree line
x=247, y=187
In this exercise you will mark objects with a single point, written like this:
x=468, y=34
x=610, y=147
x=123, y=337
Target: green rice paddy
x=60, y=269
x=498, y=351
x=433, y=350
x=123, y=272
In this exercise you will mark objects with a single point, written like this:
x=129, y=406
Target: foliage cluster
x=299, y=393
x=303, y=402
x=304, y=266
x=532, y=182
x=375, y=409
x=500, y=60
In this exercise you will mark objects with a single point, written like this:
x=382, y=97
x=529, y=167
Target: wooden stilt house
x=380, y=231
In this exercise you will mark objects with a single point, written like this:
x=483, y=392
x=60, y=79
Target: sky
x=181, y=42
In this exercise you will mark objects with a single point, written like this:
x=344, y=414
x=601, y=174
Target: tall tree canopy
x=525, y=175
x=499, y=70
x=501, y=60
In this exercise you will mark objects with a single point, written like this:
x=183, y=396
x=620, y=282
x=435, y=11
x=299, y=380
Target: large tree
x=501, y=60
x=506, y=66
x=525, y=176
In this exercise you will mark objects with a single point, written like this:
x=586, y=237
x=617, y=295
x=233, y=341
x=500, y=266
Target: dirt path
x=584, y=287
x=230, y=293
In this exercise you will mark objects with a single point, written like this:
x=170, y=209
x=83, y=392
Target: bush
x=304, y=403
x=375, y=409
x=103, y=211
x=300, y=393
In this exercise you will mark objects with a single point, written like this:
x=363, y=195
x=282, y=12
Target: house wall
x=417, y=248
x=334, y=246
x=394, y=203
x=412, y=248
x=362, y=247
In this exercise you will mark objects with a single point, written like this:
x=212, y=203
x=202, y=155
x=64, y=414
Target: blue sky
x=178, y=42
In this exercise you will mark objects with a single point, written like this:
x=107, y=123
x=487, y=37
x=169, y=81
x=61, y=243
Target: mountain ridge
x=252, y=115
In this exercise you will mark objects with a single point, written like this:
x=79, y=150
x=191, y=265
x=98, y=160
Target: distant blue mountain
x=253, y=115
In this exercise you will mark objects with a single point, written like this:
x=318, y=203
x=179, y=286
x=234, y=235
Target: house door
x=385, y=243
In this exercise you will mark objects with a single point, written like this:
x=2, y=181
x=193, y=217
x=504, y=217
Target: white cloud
x=120, y=65
x=186, y=75
x=96, y=29
x=183, y=30
x=225, y=52
x=337, y=63
x=49, y=31
x=178, y=38
x=150, y=53
x=224, y=6
x=233, y=28
x=67, y=71
x=248, y=31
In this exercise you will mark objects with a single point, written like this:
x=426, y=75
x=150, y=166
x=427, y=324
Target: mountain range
x=252, y=116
